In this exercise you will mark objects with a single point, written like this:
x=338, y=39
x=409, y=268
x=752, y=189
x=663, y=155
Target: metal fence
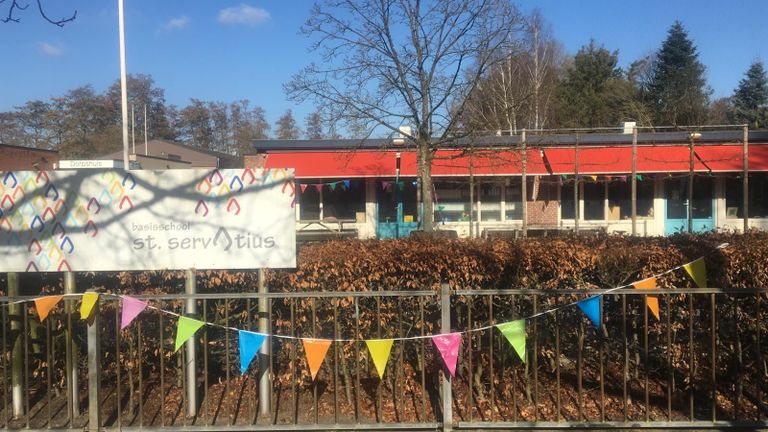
x=700, y=365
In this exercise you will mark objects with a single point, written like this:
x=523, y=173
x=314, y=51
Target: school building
x=572, y=181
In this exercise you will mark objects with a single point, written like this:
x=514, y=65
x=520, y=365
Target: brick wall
x=544, y=209
x=13, y=158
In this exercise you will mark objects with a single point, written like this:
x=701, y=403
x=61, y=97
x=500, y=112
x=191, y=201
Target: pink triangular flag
x=132, y=307
x=303, y=188
x=319, y=187
x=448, y=345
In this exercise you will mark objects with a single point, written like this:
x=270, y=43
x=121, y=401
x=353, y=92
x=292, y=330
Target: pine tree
x=313, y=127
x=678, y=92
x=749, y=100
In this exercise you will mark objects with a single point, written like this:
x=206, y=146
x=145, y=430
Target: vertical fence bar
x=670, y=371
x=295, y=343
x=190, y=288
x=714, y=357
x=117, y=370
x=535, y=359
x=470, y=337
x=162, y=372
x=314, y=382
x=94, y=370
x=445, y=327
x=207, y=409
x=140, y=373
x=692, y=360
x=739, y=382
x=761, y=366
x=271, y=371
x=490, y=359
x=626, y=353
x=379, y=384
x=514, y=375
x=4, y=314
x=579, y=365
x=645, y=359
x=71, y=352
x=557, y=365
x=423, y=361
x=357, y=361
x=25, y=330
x=265, y=379
x=227, y=366
x=17, y=354
x=336, y=362
x=49, y=371
x=604, y=329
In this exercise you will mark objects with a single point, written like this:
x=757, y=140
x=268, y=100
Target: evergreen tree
x=313, y=126
x=594, y=89
x=286, y=127
x=677, y=92
x=749, y=100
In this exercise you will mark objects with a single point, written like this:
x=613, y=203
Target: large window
x=452, y=200
x=339, y=201
x=513, y=199
x=594, y=201
x=567, y=210
x=620, y=199
x=490, y=200
x=389, y=192
x=758, y=196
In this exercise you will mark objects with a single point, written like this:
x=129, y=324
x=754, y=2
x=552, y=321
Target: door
x=676, y=205
x=396, y=213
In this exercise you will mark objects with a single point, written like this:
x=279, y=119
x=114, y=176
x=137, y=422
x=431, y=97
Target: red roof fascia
x=553, y=161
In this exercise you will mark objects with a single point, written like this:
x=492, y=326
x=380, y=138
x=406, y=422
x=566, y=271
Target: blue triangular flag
x=250, y=343
x=591, y=308
x=346, y=183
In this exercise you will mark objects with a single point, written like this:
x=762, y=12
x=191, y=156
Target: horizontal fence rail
x=701, y=364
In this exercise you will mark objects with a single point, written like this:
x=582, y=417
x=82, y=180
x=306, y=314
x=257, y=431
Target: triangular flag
x=385, y=185
x=132, y=307
x=440, y=207
x=250, y=343
x=651, y=300
x=401, y=186
x=315, y=349
x=593, y=177
x=88, y=302
x=514, y=331
x=303, y=188
x=623, y=178
x=698, y=272
x=185, y=330
x=448, y=345
x=379, y=349
x=333, y=186
x=639, y=177
x=319, y=188
x=45, y=304
x=347, y=183
x=591, y=308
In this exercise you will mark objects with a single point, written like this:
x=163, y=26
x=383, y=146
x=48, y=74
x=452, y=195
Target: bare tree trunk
x=425, y=164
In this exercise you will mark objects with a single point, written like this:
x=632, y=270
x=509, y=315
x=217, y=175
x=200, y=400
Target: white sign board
x=114, y=220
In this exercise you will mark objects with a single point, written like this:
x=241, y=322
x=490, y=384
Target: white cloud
x=243, y=14
x=51, y=49
x=177, y=23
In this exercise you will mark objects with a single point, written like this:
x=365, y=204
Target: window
x=490, y=200
x=452, y=200
x=594, y=201
x=342, y=202
x=309, y=203
x=566, y=202
x=758, y=196
x=513, y=199
x=620, y=199
x=390, y=192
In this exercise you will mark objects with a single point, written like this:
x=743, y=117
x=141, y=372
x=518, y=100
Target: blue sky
x=230, y=50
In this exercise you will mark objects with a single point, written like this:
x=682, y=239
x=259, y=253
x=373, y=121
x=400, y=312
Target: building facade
x=571, y=182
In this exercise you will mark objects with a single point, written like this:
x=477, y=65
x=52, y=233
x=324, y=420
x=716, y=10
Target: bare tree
x=403, y=62
x=15, y=6
x=285, y=127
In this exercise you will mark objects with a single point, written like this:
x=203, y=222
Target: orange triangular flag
x=316, y=349
x=651, y=300
x=45, y=304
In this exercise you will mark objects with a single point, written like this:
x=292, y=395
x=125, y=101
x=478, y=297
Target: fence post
x=73, y=397
x=17, y=360
x=94, y=370
x=190, y=288
x=265, y=381
x=445, y=327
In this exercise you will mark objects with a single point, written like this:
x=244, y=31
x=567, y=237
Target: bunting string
x=695, y=269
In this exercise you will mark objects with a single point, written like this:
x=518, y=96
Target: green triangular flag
x=333, y=186
x=185, y=330
x=639, y=177
x=698, y=272
x=514, y=331
x=379, y=349
x=401, y=186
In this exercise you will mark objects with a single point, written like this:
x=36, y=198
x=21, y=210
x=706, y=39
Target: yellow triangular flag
x=89, y=301
x=651, y=300
x=380, y=349
x=698, y=272
x=45, y=304
x=315, y=349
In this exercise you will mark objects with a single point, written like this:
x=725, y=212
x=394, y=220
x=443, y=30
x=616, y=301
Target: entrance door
x=396, y=215
x=676, y=203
